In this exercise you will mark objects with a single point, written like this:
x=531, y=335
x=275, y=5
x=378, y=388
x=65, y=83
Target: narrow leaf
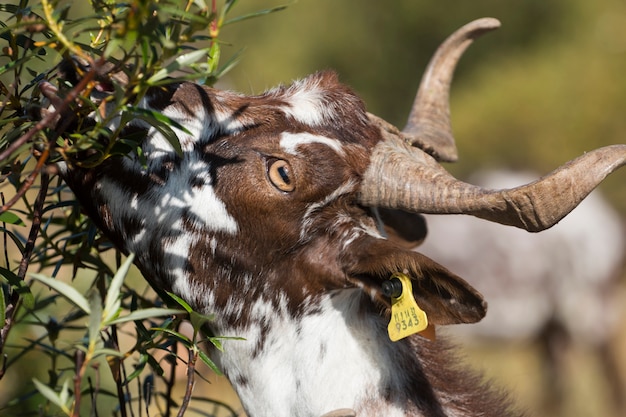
x=180, y=301
x=178, y=336
x=112, y=301
x=11, y=218
x=28, y=299
x=50, y=395
x=146, y=313
x=95, y=323
x=65, y=290
x=179, y=63
x=208, y=362
x=255, y=14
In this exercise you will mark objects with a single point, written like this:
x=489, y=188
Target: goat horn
x=403, y=177
x=428, y=125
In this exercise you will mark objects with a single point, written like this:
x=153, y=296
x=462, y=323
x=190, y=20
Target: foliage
x=140, y=44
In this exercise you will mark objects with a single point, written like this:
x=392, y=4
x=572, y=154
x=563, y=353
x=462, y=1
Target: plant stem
x=191, y=373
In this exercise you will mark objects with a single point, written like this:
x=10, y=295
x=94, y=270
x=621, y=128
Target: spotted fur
x=297, y=273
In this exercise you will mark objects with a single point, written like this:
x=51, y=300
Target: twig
x=14, y=298
x=4, y=237
x=36, y=223
x=49, y=118
x=95, y=391
x=28, y=182
x=191, y=373
x=79, y=363
x=116, y=369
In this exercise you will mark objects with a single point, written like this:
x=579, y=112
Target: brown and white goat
x=268, y=220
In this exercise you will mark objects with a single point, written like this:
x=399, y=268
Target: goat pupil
x=284, y=175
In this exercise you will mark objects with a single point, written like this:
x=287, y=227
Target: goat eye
x=280, y=174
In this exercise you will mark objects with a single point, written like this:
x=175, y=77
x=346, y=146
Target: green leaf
x=163, y=124
x=112, y=302
x=139, y=367
x=11, y=218
x=146, y=313
x=15, y=238
x=180, y=301
x=108, y=352
x=28, y=299
x=178, y=336
x=198, y=320
x=208, y=362
x=214, y=57
x=255, y=14
x=66, y=290
x=179, y=63
x=95, y=323
x=51, y=395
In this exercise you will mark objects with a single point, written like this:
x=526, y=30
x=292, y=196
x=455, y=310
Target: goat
x=538, y=284
x=267, y=218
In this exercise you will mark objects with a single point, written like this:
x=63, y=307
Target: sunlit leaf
x=66, y=290
x=112, y=301
x=95, y=316
x=146, y=313
x=180, y=301
x=51, y=395
x=11, y=218
x=179, y=63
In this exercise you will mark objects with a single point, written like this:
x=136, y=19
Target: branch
x=49, y=118
x=79, y=363
x=14, y=298
x=191, y=372
x=28, y=182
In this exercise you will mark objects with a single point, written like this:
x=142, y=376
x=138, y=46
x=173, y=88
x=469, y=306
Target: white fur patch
x=306, y=103
x=312, y=364
x=290, y=142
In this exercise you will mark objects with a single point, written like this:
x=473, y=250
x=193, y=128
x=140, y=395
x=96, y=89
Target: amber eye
x=280, y=174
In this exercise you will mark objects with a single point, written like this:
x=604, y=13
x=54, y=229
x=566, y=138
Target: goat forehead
x=290, y=142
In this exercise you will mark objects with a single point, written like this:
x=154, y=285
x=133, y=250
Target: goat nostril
x=280, y=175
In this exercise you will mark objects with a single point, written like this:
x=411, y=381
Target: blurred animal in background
x=560, y=288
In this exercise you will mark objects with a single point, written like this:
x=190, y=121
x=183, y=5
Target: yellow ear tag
x=406, y=316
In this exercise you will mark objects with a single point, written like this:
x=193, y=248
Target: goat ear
x=405, y=229
x=445, y=297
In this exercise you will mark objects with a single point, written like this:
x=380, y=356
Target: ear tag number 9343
x=406, y=316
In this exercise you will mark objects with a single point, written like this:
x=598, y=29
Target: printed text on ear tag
x=406, y=316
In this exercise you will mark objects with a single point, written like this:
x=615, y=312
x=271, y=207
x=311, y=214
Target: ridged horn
x=428, y=125
x=409, y=178
x=406, y=178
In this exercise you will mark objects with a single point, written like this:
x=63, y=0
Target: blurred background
x=543, y=89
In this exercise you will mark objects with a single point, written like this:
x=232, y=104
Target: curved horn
x=406, y=178
x=428, y=125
